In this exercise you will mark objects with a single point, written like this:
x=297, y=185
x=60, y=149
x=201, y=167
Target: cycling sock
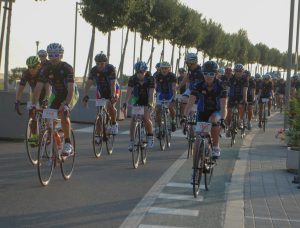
x=67, y=140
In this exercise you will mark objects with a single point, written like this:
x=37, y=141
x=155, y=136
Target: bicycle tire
x=190, y=142
x=143, y=148
x=136, y=150
x=109, y=138
x=46, y=161
x=264, y=119
x=210, y=167
x=32, y=151
x=67, y=163
x=198, y=169
x=162, y=139
x=233, y=129
x=167, y=131
x=97, y=147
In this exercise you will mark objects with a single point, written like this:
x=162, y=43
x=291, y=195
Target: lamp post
x=37, y=46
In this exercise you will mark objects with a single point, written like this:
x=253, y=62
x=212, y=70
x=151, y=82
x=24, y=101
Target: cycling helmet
x=210, y=66
x=140, y=66
x=55, y=48
x=247, y=73
x=42, y=52
x=266, y=76
x=101, y=57
x=257, y=76
x=191, y=58
x=32, y=61
x=165, y=65
x=181, y=70
x=228, y=70
x=239, y=67
x=221, y=71
x=157, y=65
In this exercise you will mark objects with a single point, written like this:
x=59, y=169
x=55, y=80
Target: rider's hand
x=17, y=107
x=222, y=123
x=85, y=100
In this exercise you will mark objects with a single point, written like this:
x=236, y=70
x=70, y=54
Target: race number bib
x=100, y=102
x=203, y=127
x=138, y=110
x=50, y=113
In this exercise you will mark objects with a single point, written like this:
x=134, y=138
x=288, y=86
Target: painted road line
x=183, y=185
x=173, y=211
x=180, y=197
x=156, y=226
x=138, y=213
x=273, y=219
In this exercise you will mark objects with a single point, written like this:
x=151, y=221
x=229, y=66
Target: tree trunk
x=141, y=48
x=88, y=61
x=162, y=57
x=151, y=56
x=6, y=63
x=92, y=48
x=108, y=45
x=3, y=29
x=172, y=57
x=121, y=66
x=134, y=47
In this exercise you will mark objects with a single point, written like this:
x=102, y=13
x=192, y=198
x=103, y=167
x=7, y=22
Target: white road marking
x=180, y=197
x=274, y=219
x=173, y=211
x=183, y=185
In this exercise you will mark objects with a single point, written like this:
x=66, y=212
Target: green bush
x=293, y=134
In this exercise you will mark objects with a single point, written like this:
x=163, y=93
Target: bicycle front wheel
x=31, y=146
x=198, y=164
x=264, y=118
x=67, y=163
x=162, y=137
x=97, y=138
x=190, y=141
x=136, y=152
x=209, y=168
x=46, y=158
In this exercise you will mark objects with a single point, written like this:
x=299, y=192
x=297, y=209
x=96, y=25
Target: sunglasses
x=209, y=74
x=53, y=55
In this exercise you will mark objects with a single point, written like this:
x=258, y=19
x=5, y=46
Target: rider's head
x=228, y=71
x=42, y=54
x=55, y=52
x=191, y=60
x=33, y=64
x=239, y=70
x=101, y=60
x=210, y=70
x=157, y=66
x=140, y=69
x=181, y=71
x=165, y=68
x=247, y=73
x=266, y=77
x=257, y=76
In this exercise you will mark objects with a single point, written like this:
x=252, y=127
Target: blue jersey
x=164, y=85
x=236, y=86
x=195, y=76
x=209, y=100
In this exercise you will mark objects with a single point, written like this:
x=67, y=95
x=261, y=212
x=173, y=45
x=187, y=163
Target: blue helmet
x=239, y=67
x=191, y=58
x=210, y=66
x=140, y=66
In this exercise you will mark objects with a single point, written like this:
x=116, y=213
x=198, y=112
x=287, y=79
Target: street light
x=37, y=46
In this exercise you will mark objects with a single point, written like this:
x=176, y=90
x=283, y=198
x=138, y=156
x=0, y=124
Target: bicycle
x=280, y=102
x=245, y=118
x=103, y=134
x=164, y=128
x=264, y=117
x=202, y=159
x=50, y=149
x=190, y=125
x=140, y=143
x=178, y=109
x=234, y=124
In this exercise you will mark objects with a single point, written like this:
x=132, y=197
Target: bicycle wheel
x=46, y=158
x=198, y=168
x=233, y=129
x=109, y=138
x=264, y=118
x=32, y=147
x=143, y=147
x=67, y=163
x=209, y=167
x=97, y=138
x=136, y=152
x=167, y=132
x=162, y=137
x=190, y=141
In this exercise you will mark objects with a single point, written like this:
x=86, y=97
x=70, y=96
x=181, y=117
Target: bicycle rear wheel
x=32, y=147
x=109, y=138
x=233, y=129
x=209, y=167
x=136, y=152
x=167, y=133
x=162, y=137
x=46, y=158
x=97, y=138
x=198, y=168
x=190, y=141
x=67, y=163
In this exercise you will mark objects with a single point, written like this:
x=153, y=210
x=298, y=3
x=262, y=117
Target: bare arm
x=70, y=93
x=128, y=94
x=88, y=85
x=223, y=104
x=113, y=87
x=191, y=102
x=37, y=92
x=151, y=96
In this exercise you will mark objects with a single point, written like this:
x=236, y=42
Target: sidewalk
x=261, y=192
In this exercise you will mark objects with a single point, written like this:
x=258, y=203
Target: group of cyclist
x=215, y=91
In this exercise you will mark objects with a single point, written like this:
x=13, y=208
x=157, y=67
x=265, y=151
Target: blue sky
x=266, y=21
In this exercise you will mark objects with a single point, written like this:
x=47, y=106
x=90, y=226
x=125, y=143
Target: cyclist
x=104, y=75
x=181, y=87
x=211, y=107
x=60, y=75
x=30, y=76
x=141, y=92
x=157, y=70
x=42, y=54
x=238, y=87
x=165, y=90
x=221, y=73
x=280, y=91
x=265, y=91
x=250, y=98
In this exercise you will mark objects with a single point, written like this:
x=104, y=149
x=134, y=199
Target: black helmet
x=181, y=70
x=101, y=58
x=247, y=73
x=210, y=66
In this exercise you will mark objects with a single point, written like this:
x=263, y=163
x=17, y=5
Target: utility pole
x=5, y=7
x=6, y=63
x=297, y=40
x=75, y=38
x=37, y=46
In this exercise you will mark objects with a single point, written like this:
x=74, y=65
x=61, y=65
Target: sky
x=265, y=21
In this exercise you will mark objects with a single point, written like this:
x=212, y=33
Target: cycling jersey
x=266, y=89
x=251, y=88
x=164, y=86
x=182, y=88
x=140, y=93
x=281, y=88
x=32, y=80
x=208, y=100
x=58, y=76
x=236, y=86
x=195, y=76
x=103, y=79
x=257, y=85
x=225, y=80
